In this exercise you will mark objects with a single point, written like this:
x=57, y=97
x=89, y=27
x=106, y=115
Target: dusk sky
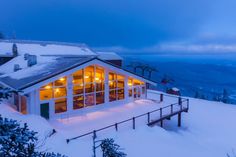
x=125, y=25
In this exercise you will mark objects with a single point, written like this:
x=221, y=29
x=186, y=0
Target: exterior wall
x=116, y=62
x=34, y=101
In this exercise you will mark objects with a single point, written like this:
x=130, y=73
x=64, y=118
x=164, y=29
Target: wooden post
x=161, y=117
x=180, y=100
x=161, y=97
x=133, y=123
x=179, y=119
x=116, y=126
x=94, y=143
x=148, y=117
x=171, y=108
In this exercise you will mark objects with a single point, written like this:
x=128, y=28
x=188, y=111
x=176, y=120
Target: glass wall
x=88, y=88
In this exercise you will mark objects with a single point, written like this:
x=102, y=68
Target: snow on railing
x=152, y=117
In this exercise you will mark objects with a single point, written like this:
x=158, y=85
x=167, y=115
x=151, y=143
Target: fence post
x=171, y=107
x=161, y=97
x=161, y=117
x=116, y=126
x=180, y=100
x=179, y=120
x=94, y=143
x=148, y=117
x=133, y=122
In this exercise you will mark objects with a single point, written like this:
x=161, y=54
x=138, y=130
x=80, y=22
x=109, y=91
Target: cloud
x=175, y=49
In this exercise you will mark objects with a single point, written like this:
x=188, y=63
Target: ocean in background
x=207, y=75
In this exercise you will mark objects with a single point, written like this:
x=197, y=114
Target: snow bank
x=207, y=130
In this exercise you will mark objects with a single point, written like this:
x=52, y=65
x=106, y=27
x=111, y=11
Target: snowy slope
x=207, y=130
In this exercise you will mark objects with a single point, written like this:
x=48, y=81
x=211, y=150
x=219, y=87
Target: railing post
x=180, y=101
x=148, y=117
x=116, y=126
x=133, y=122
x=161, y=117
x=171, y=108
x=161, y=97
x=179, y=120
x=94, y=143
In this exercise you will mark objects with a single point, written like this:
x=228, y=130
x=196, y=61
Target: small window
x=60, y=92
x=99, y=98
x=112, y=95
x=60, y=105
x=61, y=82
x=78, y=102
x=89, y=87
x=78, y=89
x=89, y=99
x=78, y=77
x=46, y=94
x=130, y=92
x=121, y=94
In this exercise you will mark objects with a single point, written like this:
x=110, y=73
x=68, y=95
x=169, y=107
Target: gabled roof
x=109, y=56
x=44, y=48
x=47, y=68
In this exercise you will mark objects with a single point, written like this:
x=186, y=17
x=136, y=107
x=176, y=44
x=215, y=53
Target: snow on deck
x=102, y=116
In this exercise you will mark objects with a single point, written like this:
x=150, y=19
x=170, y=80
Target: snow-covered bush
x=110, y=149
x=19, y=141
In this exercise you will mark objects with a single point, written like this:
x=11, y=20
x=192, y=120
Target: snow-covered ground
x=207, y=130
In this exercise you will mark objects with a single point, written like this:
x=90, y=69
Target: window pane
x=121, y=94
x=112, y=95
x=130, y=92
x=120, y=77
x=78, y=77
x=89, y=88
x=78, y=89
x=112, y=84
x=89, y=99
x=99, y=75
x=45, y=94
x=112, y=76
x=136, y=82
x=78, y=102
x=100, y=98
x=59, y=92
x=100, y=86
x=120, y=84
x=60, y=105
x=89, y=74
x=48, y=86
x=60, y=82
x=130, y=82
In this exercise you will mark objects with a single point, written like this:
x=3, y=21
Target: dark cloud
x=126, y=23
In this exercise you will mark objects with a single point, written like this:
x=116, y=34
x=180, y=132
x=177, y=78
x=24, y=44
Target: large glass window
x=56, y=90
x=116, y=86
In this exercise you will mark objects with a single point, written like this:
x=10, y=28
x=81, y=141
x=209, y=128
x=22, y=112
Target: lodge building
x=57, y=80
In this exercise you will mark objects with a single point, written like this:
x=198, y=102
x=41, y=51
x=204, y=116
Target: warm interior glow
x=48, y=87
x=57, y=89
x=86, y=77
x=129, y=84
x=62, y=79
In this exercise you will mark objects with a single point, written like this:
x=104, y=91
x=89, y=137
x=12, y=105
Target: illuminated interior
x=116, y=87
x=88, y=88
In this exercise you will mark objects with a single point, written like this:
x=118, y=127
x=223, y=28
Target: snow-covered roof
x=44, y=48
x=46, y=67
x=175, y=89
x=109, y=56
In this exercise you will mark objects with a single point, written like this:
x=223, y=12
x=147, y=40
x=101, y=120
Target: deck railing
x=182, y=105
